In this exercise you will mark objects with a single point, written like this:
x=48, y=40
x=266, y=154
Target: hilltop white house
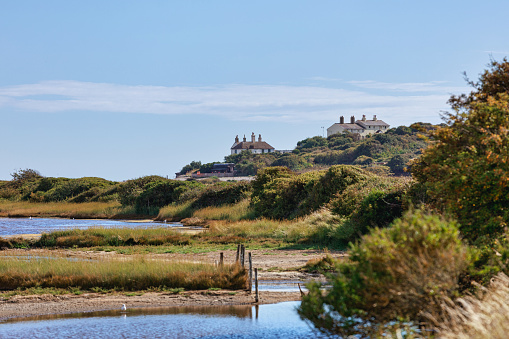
x=361, y=127
x=252, y=146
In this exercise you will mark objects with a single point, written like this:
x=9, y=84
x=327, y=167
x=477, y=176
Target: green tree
x=193, y=165
x=465, y=171
x=25, y=174
x=398, y=163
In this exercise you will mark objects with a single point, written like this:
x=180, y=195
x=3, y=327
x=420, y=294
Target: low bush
x=224, y=193
x=393, y=273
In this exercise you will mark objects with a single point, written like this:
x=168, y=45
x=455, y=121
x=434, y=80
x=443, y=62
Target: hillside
x=386, y=153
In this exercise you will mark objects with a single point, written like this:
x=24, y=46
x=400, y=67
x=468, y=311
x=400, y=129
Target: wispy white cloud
x=432, y=86
x=235, y=102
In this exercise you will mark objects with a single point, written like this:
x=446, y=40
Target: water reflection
x=15, y=226
x=244, y=321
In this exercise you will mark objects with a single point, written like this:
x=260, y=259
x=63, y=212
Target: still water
x=13, y=226
x=265, y=321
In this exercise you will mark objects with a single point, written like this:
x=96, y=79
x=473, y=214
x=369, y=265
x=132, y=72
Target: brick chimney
x=253, y=138
x=363, y=117
x=244, y=138
x=374, y=117
x=236, y=139
x=341, y=119
x=259, y=138
x=352, y=119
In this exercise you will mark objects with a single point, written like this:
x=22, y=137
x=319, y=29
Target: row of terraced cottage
x=360, y=128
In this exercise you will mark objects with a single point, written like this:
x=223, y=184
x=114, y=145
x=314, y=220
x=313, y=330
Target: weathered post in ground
x=256, y=286
x=250, y=273
x=221, y=259
x=242, y=255
x=238, y=253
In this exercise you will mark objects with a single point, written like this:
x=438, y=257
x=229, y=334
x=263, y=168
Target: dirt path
x=272, y=265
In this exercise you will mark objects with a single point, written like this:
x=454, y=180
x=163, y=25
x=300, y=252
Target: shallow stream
x=15, y=226
x=265, y=321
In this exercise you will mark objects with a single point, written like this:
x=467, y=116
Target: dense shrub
x=222, y=194
x=393, y=273
x=312, y=142
x=291, y=161
x=129, y=190
x=161, y=193
x=279, y=194
x=398, y=163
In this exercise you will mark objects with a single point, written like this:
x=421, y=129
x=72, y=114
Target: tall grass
x=479, y=318
x=319, y=227
x=176, y=211
x=130, y=275
x=233, y=212
x=60, y=209
x=100, y=236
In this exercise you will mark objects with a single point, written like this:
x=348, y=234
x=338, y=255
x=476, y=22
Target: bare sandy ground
x=272, y=265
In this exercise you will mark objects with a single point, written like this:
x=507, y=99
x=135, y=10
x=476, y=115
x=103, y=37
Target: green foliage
x=292, y=161
x=340, y=141
x=161, y=193
x=223, y=193
x=343, y=149
x=393, y=273
x=129, y=190
x=398, y=163
x=247, y=163
x=279, y=194
x=194, y=165
x=465, y=171
x=312, y=142
x=320, y=265
x=207, y=168
x=493, y=83
x=25, y=174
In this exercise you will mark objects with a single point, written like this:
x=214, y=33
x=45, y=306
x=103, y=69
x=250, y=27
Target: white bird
x=30, y=218
x=123, y=307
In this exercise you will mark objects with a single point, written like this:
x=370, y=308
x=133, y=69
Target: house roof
x=252, y=145
x=371, y=123
x=349, y=126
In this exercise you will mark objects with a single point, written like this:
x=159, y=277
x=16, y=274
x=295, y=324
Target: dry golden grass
x=318, y=224
x=234, y=212
x=486, y=317
x=226, y=212
x=60, y=209
x=136, y=274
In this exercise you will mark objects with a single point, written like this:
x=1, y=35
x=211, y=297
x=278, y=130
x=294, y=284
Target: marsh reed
x=126, y=275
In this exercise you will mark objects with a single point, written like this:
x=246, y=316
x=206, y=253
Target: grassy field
x=319, y=230
x=48, y=271
x=62, y=209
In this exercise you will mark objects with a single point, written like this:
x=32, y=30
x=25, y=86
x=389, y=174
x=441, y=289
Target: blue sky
x=123, y=89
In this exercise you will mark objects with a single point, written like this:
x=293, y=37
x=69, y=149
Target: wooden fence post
x=256, y=285
x=242, y=255
x=238, y=253
x=221, y=259
x=250, y=273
